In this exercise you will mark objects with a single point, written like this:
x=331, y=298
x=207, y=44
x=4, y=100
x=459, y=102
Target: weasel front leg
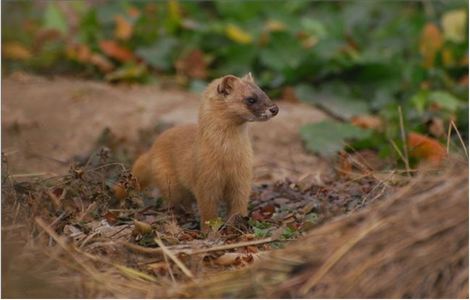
x=238, y=194
x=208, y=195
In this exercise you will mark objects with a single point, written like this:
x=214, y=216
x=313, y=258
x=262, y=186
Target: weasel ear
x=226, y=85
x=249, y=77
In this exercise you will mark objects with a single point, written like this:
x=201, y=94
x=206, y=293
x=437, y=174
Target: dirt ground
x=48, y=121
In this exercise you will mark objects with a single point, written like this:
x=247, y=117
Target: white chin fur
x=266, y=115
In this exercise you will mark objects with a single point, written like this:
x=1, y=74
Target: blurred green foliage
x=351, y=58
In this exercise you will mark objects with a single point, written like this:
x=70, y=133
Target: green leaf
x=313, y=27
x=283, y=52
x=288, y=233
x=337, y=105
x=159, y=54
x=419, y=100
x=444, y=100
x=329, y=137
x=312, y=218
x=54, y=19
x=236, y=59
x=261, y=233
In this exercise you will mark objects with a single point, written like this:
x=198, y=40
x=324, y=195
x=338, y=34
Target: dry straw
x=414, y=244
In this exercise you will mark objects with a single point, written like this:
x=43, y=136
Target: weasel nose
x=274, y=110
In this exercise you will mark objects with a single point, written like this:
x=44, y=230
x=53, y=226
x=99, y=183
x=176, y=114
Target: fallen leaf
x=111, y=217
x=237, y=34
x=431, y=42
x=257, y=216
x=123, y=28
x=114, y=50
x=74, y=232
x=454, y=24
x=142, y=227
x=227, y=259
x=119, y=191
x=426, y=148
x=367, y=121
x=15, y=51
x=268, y=210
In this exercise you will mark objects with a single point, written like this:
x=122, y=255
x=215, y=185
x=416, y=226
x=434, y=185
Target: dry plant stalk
x=414, y=244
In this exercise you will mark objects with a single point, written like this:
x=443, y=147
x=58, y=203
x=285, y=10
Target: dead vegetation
x=414, y=244
x=91, y=234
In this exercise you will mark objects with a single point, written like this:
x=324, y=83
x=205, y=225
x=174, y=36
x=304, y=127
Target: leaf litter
x=96, y=215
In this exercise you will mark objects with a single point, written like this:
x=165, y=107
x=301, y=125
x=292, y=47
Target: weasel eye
x=251, y=100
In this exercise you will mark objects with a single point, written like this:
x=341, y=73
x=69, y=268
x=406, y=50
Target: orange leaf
x=101, y=62
x=431, y=42
x=425, y=148
x=79, y=53
x=123, y=29
x=112, y=49
x=16, y=51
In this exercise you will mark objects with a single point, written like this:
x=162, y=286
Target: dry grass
x=414, y=244
x=409, y=243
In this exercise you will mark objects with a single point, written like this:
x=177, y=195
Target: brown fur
x=212, y=161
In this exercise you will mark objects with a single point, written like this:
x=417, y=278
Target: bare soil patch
x=47, y=122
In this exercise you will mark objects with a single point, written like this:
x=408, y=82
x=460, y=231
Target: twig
x=29, y=175
x=137, y=248
x=177, y=261
x=232, y=246
x=399, y=152
x=460, y=138
x=403, y=137
x=168, y=265
x=12, y=227
x=56, y=220
x=449, y=131
x=147, y=250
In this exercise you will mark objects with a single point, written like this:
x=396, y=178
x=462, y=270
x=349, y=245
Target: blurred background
x=356, y=60
x=88, y=85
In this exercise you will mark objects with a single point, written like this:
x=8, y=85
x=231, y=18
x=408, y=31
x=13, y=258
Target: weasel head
x=243, y=99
